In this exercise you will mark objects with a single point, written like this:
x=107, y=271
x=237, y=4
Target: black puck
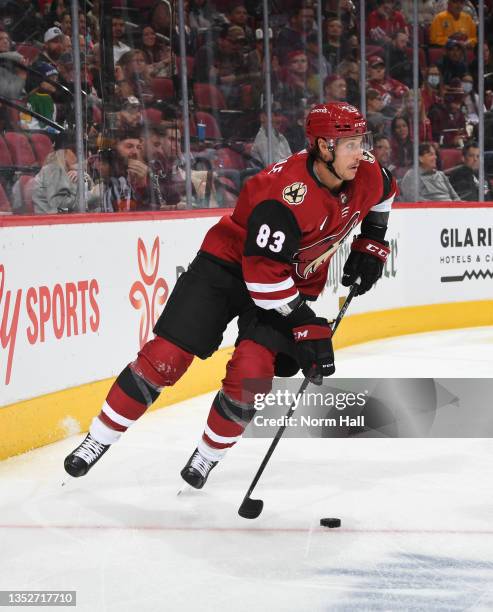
x=330, y=522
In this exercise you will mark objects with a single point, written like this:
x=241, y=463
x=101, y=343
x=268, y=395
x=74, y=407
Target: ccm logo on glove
x=376, y=249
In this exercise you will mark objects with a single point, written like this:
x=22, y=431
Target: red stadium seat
x=162, y=88
x=227, y=158
x=211, y=128
x=208, y=96
x=5, y=207
x=26, y=185
x=190, y=64
x=20, y=149
x=42, y=146
x=29, y=52
x=152, y=115
x=5, y=156
x=450, y=158
x=435, y=54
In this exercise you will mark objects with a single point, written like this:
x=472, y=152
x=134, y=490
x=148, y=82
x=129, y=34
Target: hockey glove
x=366, y=260
x=315, y=352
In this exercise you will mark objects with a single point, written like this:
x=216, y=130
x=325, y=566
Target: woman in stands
x=402, y=146
x=157, y=54
x=135, y=79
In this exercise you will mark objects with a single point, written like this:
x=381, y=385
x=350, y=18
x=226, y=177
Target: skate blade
x=183, y=489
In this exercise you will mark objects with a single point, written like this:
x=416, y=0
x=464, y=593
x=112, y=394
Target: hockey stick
x=251, y=508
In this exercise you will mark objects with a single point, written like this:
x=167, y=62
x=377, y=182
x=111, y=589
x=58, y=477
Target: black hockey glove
x=366, y=261
x=315, y=352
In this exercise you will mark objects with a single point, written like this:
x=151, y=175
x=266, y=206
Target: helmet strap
x=330, y=164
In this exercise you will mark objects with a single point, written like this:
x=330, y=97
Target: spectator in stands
x=335, y=89
x=397, y=60
x=488, y=67
x=334, y=49
x=40, y=98
x=349, y=69
x=52, y=48
x=453, y=21
x=465, y=178
x=280, y=146
x=203, y=15
x=402, y=144
x=471, y=100
x=407, y=111
x=65, y=22
x=432, y=88
x=135, y=79
x=255, y=67
x=382, y=151
x=391, y=90
x=130, y=117
x=237, y=15
x=295, y=131
x=452, y=65
x=318, y=67
x=157, y=54
x=55, y=187
x=118, y=32
x=160, y=21
x=293, y=36
x=20, y=19
x=345, y=10
x=124, y=174
x=448, y=123
x=433, y=184
x=377, y=122
x=163, y=193
x=223, y=63
x=5, y=42
x=384, y=21
x=12, y=75
x=294, y=89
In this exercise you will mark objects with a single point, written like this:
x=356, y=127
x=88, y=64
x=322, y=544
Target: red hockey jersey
x=287, y=225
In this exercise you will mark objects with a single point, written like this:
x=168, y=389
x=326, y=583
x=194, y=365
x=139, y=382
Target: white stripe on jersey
x=384, y=206
x=271, y=304
x=270, y=287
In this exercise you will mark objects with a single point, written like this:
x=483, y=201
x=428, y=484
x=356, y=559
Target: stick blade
x=251, y=508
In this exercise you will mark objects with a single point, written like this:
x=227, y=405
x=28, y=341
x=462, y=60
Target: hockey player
x=262, y=264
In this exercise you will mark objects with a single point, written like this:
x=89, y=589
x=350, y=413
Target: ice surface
x=416, y=532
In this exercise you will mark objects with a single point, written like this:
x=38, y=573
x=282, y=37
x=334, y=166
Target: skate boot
x=197, y=470
x=81, y=460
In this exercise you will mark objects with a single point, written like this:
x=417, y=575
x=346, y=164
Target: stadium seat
x=435, y=54
x=211, y=128
x=208, y=97
x=20, y=149
x=152, y=115
x=29, y=52
x=162, y=88
x=5, y=207
x=227, y=158
x=26, y=184
x=450, y=158
x=42, y=146
x=5, y=156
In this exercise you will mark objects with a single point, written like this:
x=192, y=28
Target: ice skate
x=197, y=470
x=81, y=460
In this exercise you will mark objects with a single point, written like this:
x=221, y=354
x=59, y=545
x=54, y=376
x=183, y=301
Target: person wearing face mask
x=431, y=90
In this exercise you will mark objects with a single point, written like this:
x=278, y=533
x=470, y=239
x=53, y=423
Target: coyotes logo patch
x=309, y=259
x=295, y=193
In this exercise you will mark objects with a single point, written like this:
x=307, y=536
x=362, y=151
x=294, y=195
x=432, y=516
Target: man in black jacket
x=465, y=180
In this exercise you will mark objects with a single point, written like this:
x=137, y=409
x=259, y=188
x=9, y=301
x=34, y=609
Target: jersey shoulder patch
x=295, y=193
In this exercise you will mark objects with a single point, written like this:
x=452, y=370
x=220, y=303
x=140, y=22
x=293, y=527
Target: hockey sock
x=225, y=425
